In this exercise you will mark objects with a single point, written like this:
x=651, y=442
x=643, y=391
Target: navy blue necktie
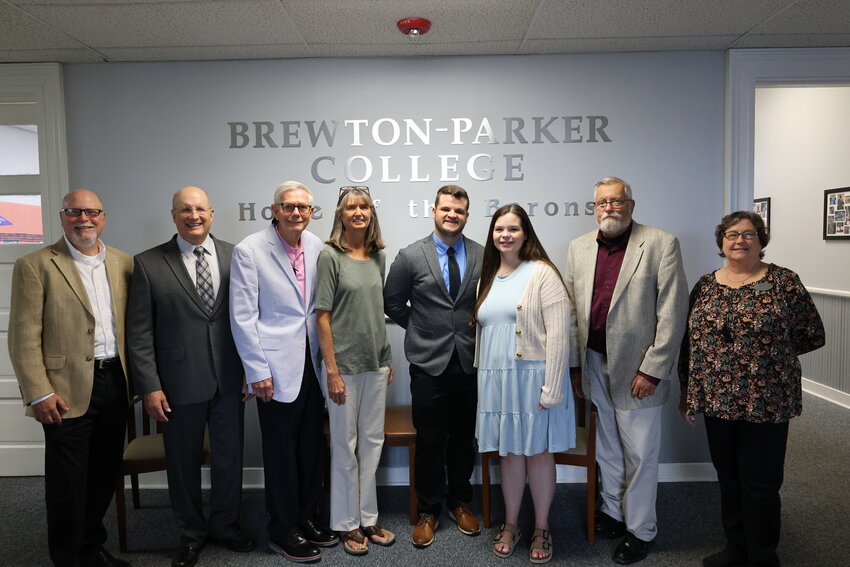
x=454, y=273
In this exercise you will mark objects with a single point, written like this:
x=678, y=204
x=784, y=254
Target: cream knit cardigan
x=542, y=321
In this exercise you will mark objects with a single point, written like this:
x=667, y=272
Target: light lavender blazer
x=269, y=318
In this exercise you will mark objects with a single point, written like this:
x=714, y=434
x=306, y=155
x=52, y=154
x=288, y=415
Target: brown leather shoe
x=423, y=533
x=467, y=523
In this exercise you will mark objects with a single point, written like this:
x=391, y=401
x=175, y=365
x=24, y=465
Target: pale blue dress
x=509, y=420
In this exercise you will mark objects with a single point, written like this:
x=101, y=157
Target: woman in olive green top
x=353, y=339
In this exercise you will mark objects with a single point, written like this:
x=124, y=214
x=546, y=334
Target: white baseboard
x=22, y=459
x=827, y=393
x=252, y=477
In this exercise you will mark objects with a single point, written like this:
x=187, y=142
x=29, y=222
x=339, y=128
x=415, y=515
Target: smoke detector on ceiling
x=414, y=27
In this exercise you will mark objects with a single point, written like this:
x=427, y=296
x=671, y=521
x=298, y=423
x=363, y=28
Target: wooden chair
x=144, y=453
x=583, y=455
x=398, y=432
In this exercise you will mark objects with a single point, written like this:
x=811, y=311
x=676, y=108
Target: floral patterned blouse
x=739, y=356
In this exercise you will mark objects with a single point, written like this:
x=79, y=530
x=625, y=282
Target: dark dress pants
x=293, y=451
x=444, y=410
x=750, y=461
x=82, y=460
x=184, y=442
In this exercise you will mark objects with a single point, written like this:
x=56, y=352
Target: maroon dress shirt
x=609, y=260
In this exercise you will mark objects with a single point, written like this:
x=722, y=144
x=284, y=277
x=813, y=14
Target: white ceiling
x=77, y=31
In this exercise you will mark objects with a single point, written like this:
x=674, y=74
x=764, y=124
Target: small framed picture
x=762, y=208
x=836, y=220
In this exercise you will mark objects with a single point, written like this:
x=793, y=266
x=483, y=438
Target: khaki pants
x=357, y=438
x=628, y=443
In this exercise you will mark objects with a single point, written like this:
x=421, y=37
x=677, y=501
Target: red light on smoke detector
x=413, y=27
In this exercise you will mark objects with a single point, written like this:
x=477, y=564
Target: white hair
x=288, y=186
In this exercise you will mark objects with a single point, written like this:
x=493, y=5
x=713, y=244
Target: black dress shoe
x=295, y=548
x=102, y=558
x=729, y=556
x=186, y=556
x=609, y=528
x=632, y=550
x=238, y=542
x=317, y=534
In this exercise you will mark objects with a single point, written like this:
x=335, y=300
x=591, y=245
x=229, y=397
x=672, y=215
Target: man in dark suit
x=66, y=343
x=184, y=362
x=430, y=292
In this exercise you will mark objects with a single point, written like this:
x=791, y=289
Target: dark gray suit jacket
x=416, y=297
x=173, y=343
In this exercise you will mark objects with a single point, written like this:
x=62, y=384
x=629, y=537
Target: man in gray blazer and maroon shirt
x=429, y=292
x=184, y=362
x=630, y=299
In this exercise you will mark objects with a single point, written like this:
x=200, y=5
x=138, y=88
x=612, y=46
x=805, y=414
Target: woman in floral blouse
x=748, y=323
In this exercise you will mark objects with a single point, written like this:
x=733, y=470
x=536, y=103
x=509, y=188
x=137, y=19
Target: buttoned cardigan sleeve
x=543, y=317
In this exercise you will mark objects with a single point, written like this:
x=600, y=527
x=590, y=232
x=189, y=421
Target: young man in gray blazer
x=430, y=292
x=630, y=299
x=184, y=363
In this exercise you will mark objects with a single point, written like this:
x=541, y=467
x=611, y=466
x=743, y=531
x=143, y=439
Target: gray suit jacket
x=415, y=297
x=173, y=343
x=646, y=319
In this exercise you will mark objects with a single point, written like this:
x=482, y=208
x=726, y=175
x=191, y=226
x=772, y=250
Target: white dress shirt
x=92, y=270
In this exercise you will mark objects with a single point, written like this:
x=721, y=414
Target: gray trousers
x=627, y=446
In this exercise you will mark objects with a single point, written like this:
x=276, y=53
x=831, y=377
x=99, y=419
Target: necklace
x=726, y=271
x=502, y=271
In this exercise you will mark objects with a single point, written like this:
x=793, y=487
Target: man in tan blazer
x=66, y=342
x=628, y=287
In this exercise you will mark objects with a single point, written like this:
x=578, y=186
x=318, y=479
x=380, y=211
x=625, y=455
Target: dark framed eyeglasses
x=615, y=203
x=732, y=235
x=74, y=213
x=290, y=208
x=346, y=189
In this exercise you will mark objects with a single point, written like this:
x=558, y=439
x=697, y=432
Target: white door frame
x=747, y=69
x=21, y=440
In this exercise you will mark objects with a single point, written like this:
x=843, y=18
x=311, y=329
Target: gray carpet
x=815, y=507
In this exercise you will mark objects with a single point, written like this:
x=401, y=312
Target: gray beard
x=611, y=225
x=83, y=242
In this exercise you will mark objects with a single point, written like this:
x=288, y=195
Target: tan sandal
x=377, y=531
x=356, y=535
x=509, y=540
x=540, y=541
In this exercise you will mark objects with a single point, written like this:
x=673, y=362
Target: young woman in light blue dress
x=525, y=410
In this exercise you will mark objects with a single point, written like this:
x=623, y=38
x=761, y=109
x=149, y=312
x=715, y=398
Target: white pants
x=627, y=446
x=357, y=438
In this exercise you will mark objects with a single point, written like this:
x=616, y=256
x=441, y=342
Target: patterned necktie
x=454, y=273
x=204, y=279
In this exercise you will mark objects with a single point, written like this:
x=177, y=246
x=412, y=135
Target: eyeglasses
x=732, y=235
x=191, y=210
x=74, y=213
x=343, y=191
x=289, y=208
x=615, y=203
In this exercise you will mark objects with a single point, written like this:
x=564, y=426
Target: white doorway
x=33, y=176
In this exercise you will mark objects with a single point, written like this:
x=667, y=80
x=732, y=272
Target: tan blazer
x=646, y=319
x=51, y=324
